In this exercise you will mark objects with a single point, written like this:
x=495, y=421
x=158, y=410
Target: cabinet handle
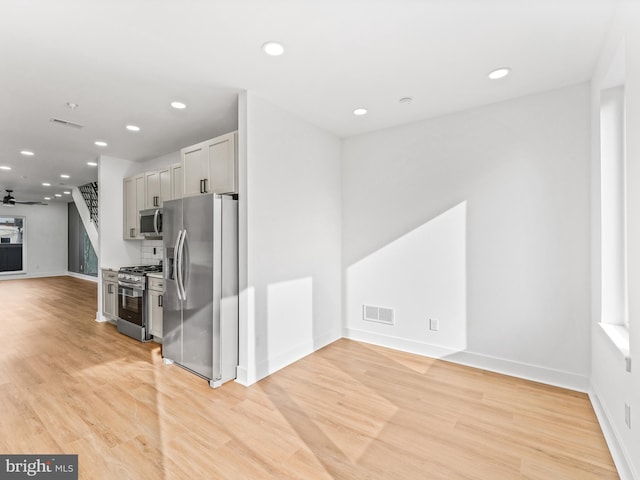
x=201, y=190
x=156, y=201
x=132, y=232
x=205, y=185
x=109, y=286
x=160, y=300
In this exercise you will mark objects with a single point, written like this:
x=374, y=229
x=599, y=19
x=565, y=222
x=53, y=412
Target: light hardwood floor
x=348, y=411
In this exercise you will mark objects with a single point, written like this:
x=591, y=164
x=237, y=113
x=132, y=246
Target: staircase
x=86, y=200
x=90, y=194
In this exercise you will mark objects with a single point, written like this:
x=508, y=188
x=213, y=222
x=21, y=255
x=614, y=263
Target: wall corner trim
x=242, y=377
x=297, y=352
x=620, y=455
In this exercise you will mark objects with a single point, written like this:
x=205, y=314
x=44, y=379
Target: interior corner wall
x=46, y=239
x=478, y=220
x=612, y=385
x=113, y=250
x=290, y=238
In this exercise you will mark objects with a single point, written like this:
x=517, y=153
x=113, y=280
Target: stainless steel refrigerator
x=200, y=308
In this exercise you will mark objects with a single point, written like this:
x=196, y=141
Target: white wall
x=612, y=385
x=46, y=244
x=160, y=162
x=289, y=238
x=113, y=251
x=481, y=220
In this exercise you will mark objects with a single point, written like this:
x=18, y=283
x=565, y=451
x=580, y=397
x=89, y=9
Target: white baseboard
x=619, y=454
x=83, y=277
x=20, y=276
x=526, y=371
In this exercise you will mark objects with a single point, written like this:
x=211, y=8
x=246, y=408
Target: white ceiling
x=123, y=61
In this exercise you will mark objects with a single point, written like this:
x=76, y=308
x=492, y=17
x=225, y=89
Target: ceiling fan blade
x=10, y=200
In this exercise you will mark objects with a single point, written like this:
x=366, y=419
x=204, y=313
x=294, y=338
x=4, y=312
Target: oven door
x=131, y=305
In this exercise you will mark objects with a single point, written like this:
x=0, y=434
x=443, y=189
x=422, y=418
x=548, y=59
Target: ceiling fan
x=10, y=201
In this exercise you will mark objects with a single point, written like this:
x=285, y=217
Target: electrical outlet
x=434, y=324
x=627, y=415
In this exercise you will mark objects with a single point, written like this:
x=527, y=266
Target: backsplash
x=147, y=255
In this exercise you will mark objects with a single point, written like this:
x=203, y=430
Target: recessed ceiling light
x=5, y=168
x=72, y=105
x=46, y=184
x=67, y=192
x=100, y=143
x=360, y=111
x=178, y=105
x=273, y=48
x=58, y=195
x=27, y=153
x=133, y=128
x=92, y=164
x=406, y=100
x=499, y=73
x=64, y=175
x=47, y=198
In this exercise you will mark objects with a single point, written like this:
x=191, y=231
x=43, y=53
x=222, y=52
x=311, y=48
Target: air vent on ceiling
x=378, y=314
x=66, y=123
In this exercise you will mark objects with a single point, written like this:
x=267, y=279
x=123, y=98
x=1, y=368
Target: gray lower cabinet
x=154, y=304
x=110, y=294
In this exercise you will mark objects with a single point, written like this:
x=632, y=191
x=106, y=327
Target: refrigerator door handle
x=177, y=268
x=181, y=265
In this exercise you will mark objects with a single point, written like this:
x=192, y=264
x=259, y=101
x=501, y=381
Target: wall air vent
x=65, y=123
x=372, y=313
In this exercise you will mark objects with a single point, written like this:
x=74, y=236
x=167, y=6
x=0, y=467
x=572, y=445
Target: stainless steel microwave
x=151, y=223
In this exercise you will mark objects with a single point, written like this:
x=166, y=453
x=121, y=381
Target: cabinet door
x=152, y=189
x=176, y=181
x=165, y=185
x=139, y=203
x=223, y=167
x=133, y=202
x=154, y=301
x=106, y=311
x=129, y=202
x=195, y=166
x=109, y=299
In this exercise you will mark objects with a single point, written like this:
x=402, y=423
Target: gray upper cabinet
x=177, y=183
x=195, y=169
x=157, y=187
x=223, y=164
x=211, y=166
x=133, y=201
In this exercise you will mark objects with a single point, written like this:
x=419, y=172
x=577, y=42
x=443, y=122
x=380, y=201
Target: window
x=613, y=207
x=12, y=251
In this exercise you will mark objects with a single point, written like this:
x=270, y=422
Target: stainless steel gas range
x=132, y=301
